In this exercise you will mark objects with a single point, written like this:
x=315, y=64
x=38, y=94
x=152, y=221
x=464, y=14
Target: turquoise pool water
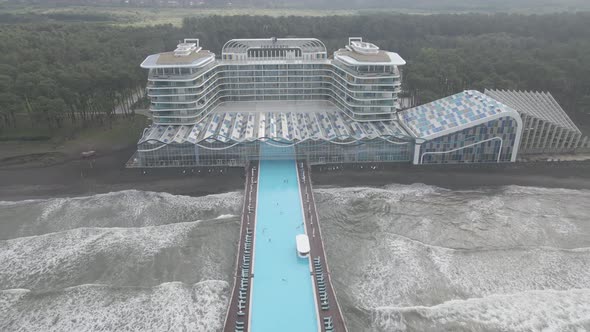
x=282, y=294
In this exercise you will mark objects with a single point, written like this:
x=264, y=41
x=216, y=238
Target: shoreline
x=566, y=175
x=107, y=173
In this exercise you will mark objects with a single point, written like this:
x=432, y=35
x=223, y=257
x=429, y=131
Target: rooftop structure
x=274, y=48
x=547, y=127
x=186, y=54
x=360, y=53
x=454, y=113
x=466, y=127
x=541, y=105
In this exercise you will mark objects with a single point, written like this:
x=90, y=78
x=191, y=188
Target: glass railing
x=240, y=74
x=353, y=72
x=174, y=99
x=172, y=106
x=200, y=71
x=160, y=120
x=359, y=112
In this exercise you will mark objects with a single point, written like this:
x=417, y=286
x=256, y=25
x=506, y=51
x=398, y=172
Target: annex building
x=288, y=92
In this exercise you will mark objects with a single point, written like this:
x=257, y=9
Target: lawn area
x=126, y=16
x=34, y=144
x=174, y=16
x=149, y=16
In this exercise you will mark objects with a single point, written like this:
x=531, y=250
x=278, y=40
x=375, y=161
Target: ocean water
x=422, y=258
x=403, y=258
x=123, y=261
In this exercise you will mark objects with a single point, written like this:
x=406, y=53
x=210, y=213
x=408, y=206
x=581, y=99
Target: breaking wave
x=402, y=257
x=546, y=310
x=172, y=306
x=422, y=258
x=129, y=208
x=123, y=261
x=119, y=256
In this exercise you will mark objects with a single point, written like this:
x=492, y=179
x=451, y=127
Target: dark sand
x=76, y=177
x=107, y=173
x=571, y=175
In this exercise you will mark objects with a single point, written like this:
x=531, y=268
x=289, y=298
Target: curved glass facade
x=486, y=143
x=183, y=95
x=229, y=154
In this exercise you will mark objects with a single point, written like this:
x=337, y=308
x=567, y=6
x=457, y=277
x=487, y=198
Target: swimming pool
x=282, y=291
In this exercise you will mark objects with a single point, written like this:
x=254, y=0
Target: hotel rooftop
x=452, y=113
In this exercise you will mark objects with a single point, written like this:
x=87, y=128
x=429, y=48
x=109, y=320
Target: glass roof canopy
x=282, y=125
x=453, y=113
x=278, y=122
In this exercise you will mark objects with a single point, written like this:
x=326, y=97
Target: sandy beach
x=106, y=173
x=569, y=175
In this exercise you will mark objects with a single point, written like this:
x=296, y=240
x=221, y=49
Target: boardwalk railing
x=328, y=309
x=238, y=313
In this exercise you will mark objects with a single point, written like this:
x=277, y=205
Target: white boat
x=302, y=245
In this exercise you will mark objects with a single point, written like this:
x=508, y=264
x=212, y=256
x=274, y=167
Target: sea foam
x=172, y=306
x=546, y=310
x=129, y=208
x=189, y=252
x=400, y=247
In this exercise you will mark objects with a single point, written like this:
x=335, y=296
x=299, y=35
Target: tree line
x=56, y=72
x=446, y=53
x=422, y=5
x=80, y=73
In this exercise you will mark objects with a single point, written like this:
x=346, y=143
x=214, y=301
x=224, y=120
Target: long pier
x=238, y=313
x=277, y=267
x=328, y=307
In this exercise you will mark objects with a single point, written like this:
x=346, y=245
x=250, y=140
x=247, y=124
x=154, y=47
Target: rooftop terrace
x=169, y=59
x=379, y=58
x=358, y=52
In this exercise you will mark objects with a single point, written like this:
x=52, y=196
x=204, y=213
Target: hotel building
x=210, y=110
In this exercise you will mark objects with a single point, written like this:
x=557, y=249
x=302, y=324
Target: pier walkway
x=329, y=309
x=282, y=290
x=239, y=305
x=275, y=289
